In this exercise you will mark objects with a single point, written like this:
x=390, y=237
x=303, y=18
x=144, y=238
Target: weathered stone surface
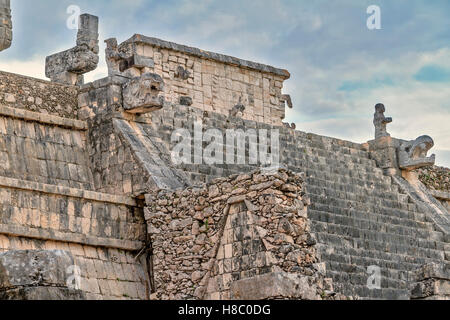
x=236, y=237
x=34, y=268
x=36, y=275
x=237, y=111
x=5, y=25
x=413, y=154
x=113, y=56
x=214, y=82
x=68, y=66
x=433, y=282
x=143, y=94
x=135, y=61
x=435, y=178
x=182, y=73
x=278, y=285
x=380, y=122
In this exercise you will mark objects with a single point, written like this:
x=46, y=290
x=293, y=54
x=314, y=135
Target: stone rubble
x=207, y=237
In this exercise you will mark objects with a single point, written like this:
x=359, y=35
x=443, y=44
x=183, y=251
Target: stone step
x=343, y=154
x=355, y=192
x=335, y=156
x=343, y=284
x=377, y=234
x=331, y=141
x=383, y=242
x=375, y=217
x=357, y=275
x=389, y=212
x=337, y=167
x=320, y=178
x=364, y=224
x=365, y=204
x=306, y=146
x=396, y=265
x=332, y=174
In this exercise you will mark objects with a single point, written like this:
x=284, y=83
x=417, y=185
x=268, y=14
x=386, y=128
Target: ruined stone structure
x=94, y=206
x=69, y=66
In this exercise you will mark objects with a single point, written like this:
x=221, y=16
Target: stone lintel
x=37, y=275
x=43, y=118
x=65, y=191
x=53, y=235
x=141, y=39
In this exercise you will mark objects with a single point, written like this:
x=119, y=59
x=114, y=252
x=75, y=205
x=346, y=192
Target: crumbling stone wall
x=41, y=96
x=207, y=237
x=435, y=178
x=212, y=81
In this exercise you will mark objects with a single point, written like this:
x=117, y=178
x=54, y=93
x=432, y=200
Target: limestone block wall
x=105, y=273
x=41, y=96
x=207, y=237
x=43, y=148
x=215, y=82
x=103, y=232
x=114, y=169
x=44, y=211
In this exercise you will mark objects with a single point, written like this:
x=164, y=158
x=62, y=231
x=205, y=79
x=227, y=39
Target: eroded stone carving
x=238, y=110
x=186, y=101
x=5, y=25
x=143, y=94
x=380, y=122
x=182, y=73
x=113, y=56
x=413, y=154
x=69, y=66
x=286, y=98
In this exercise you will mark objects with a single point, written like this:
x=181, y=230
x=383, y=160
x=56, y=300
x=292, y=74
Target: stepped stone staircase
x=360, y=216
x=361, y=219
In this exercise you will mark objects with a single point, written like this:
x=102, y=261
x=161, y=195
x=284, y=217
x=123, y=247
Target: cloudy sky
x=340, y=69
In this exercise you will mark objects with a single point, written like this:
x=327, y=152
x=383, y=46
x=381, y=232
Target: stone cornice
x=141, y=39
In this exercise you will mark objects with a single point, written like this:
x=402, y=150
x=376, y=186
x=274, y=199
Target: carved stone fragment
x=143, y=94
x=413, y=154
x=69, y=66
x=182, y=73
x=238, y=110
x=380, y=122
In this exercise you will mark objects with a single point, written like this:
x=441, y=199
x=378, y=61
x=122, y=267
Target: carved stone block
x=143, y=94
x=413, y=154
x=68, y=66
